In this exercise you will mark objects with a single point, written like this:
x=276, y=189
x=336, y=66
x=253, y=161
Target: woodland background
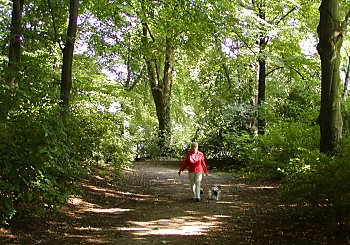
x=260, y=84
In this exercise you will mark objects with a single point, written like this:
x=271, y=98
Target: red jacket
x=195, y=163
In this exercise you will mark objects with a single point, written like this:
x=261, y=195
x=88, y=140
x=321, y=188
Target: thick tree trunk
x=66, y=75
x=15, y=40
x=330, y=41
x=166, y=87
x=160, y=87
x=12, y=75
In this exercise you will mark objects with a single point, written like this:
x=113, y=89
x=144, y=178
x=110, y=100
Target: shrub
x=266, y=155
x=320, y=180
x=45, y=152
x=40, y=160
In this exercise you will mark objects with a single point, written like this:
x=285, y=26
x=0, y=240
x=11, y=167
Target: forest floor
x=151, y=204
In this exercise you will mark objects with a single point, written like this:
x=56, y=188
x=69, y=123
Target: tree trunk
x=166, y=88
x=224, y=66
x=66, y=75
x=346, y=82
x=262, y=71
x=330, y=41
x=160, y=87
x=261, y=96
x=15, y=40
x=261, y=87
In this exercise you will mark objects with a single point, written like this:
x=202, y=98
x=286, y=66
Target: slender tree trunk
x=346, y=82
x=262, y=71
x=227, y=75
x=66, y=75
x=15, y=40
x=253, y=122
x=128, y=78
x=224, y=66
x=261, y=87
x=330, y=41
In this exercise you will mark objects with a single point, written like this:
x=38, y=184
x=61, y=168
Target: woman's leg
x=192, y=178
x=197, y=184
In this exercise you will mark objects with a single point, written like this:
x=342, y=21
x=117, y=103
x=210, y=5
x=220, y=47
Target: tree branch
x=346, y=20
x=152, y=68
x=273, y=70
x=299, y=73
x=245, y=43
x=281, y=67
x=54, y=24
x=149, y=31
x=284, y=16
x=346, y=81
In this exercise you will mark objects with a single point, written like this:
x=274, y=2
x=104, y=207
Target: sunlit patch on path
x=184, y=226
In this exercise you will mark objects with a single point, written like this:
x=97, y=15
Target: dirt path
x=152, y=205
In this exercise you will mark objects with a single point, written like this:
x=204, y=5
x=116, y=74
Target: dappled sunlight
x=98, y=177
x=184, y=226
x=224, y=202
x=241, y=205
x=114, y=193
x=225, y=185
x=89, y=228
x=6, y=233
x=88, y=239
x=77, y=201
x=107, y=210
x=164, y=181
x=90, y=207
x=262, y=187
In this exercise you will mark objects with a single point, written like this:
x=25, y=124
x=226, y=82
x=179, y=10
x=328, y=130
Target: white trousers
x=195, y=182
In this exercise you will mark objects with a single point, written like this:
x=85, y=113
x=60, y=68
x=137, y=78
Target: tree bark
x=346, y=82
x=66, y=75
x=166, y=86
x=261, y=89
x=330, y=41
x=15, y=40
x=160, y=86
x=262, y=72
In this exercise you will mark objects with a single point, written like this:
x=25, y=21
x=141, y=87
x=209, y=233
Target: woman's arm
x=184, y=164
x=204, y=165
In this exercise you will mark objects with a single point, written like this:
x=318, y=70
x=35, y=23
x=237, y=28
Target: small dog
x=215, y=193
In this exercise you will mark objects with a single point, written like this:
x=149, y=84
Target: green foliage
x=265, y=156
x=44, y=149
x=44, y=153
x=220, y=128
x=40, y=160
x=111, y=145
x=346, y=117
x=319, y=180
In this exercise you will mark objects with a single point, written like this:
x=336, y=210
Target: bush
x=45, y=152
x=40, y=160
x=264, y=156
x=320, y=180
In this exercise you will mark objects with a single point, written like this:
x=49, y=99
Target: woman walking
x=196, y=167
